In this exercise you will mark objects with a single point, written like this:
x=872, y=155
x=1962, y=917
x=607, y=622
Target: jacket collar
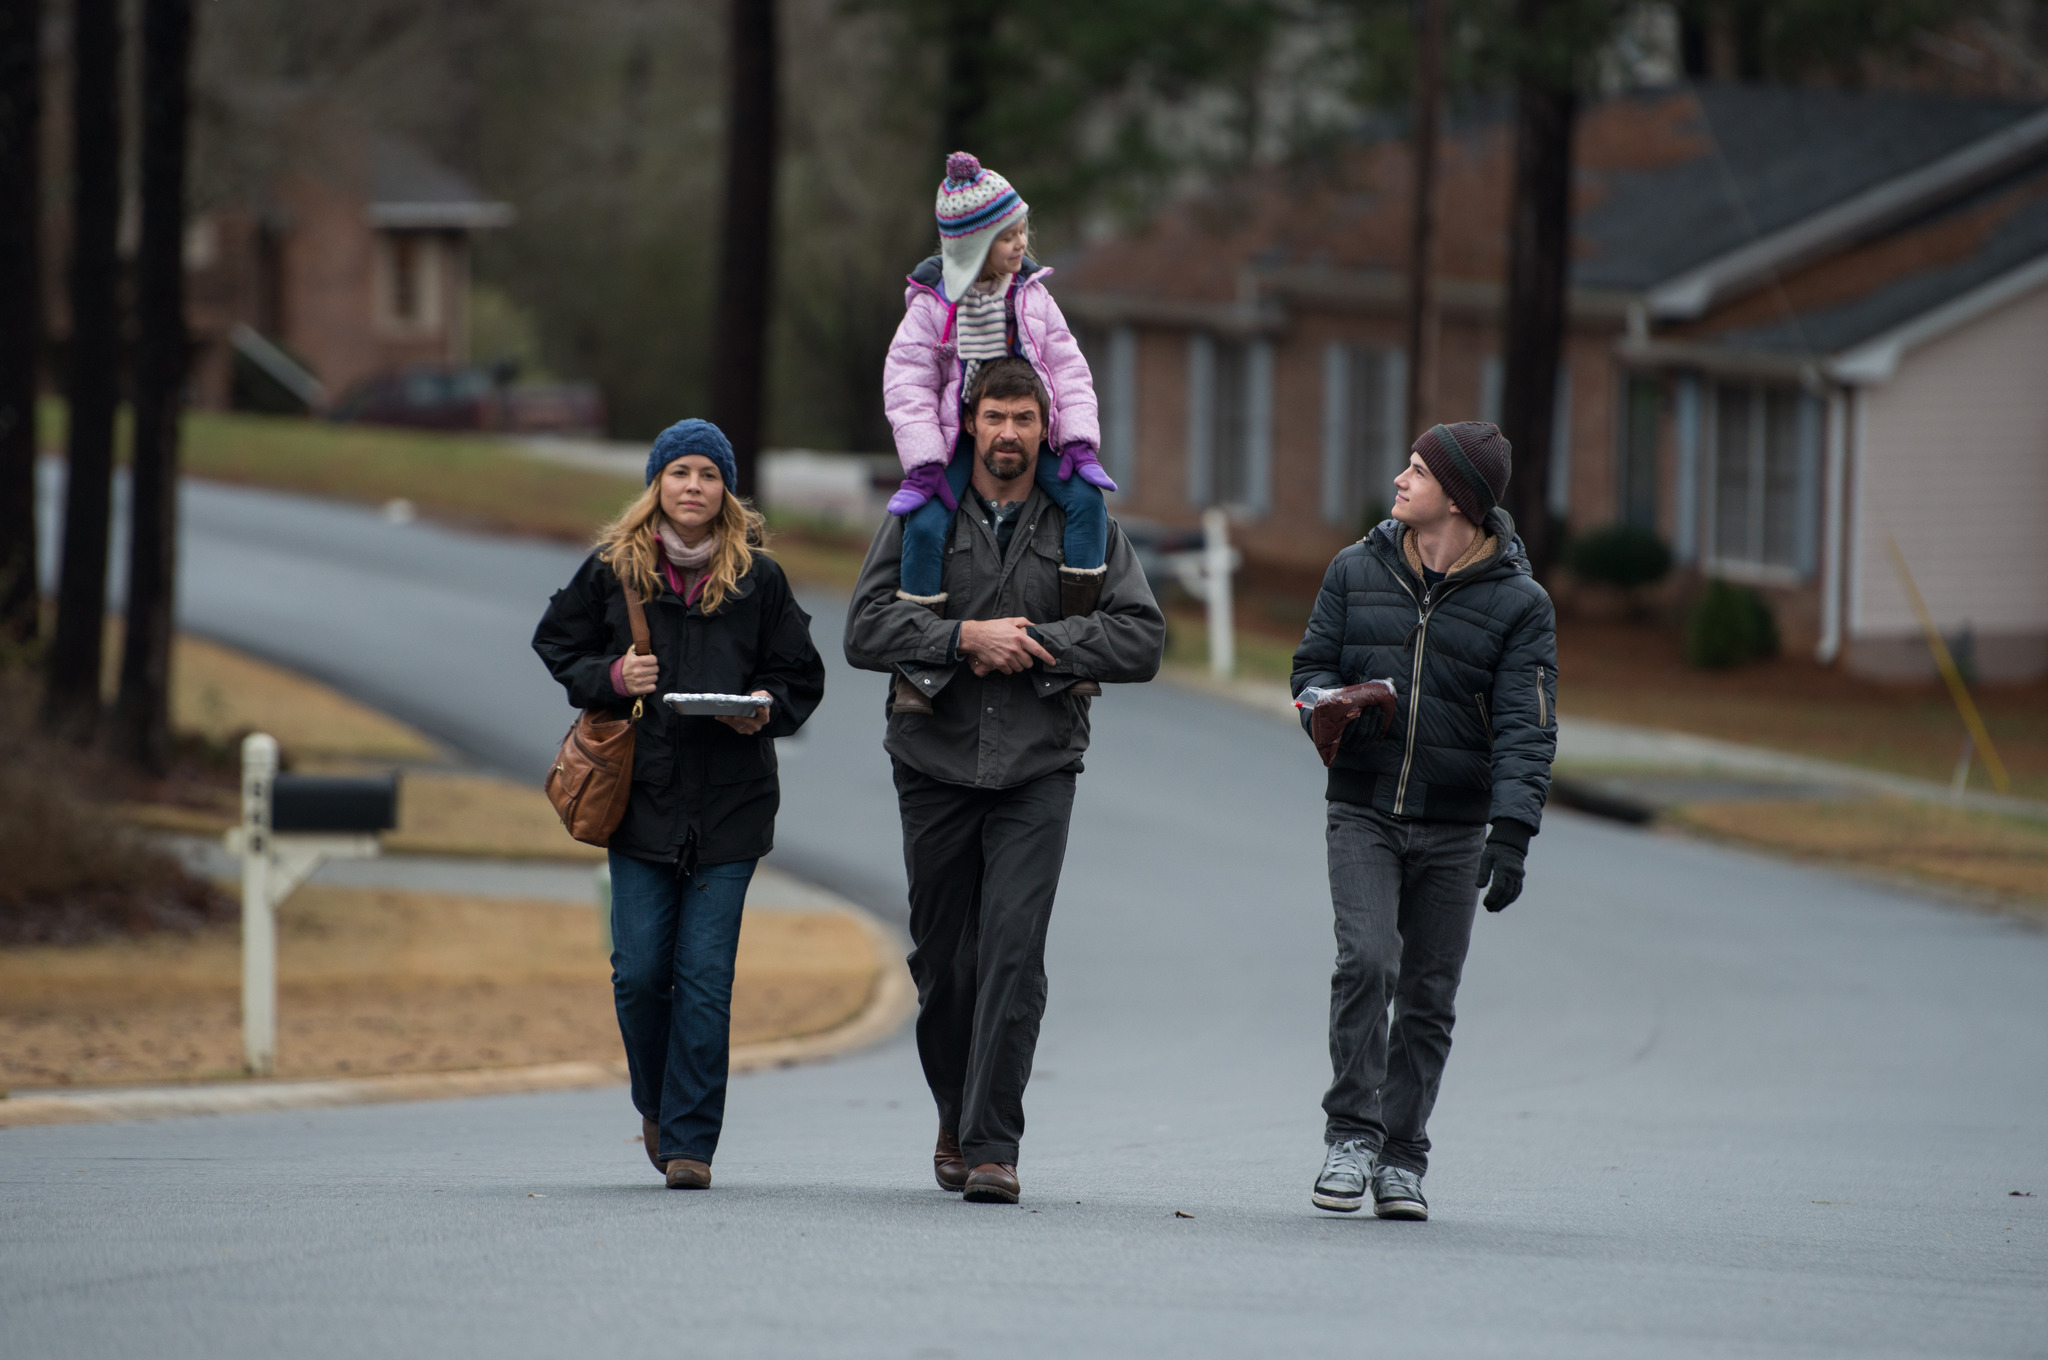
x=1507, y=558
x=931, y=276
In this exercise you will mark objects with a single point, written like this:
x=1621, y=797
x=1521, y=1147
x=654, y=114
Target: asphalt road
x=1701, y=1103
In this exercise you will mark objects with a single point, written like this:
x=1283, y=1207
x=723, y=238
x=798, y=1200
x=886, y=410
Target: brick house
x=1803, y=324
x=352, y=260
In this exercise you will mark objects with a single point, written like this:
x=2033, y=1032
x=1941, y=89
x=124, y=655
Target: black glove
x=1500, y=863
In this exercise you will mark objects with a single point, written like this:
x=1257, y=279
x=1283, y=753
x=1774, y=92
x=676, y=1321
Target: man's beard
x=1006, y=460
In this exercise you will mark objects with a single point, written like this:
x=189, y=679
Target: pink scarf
x=694, y=563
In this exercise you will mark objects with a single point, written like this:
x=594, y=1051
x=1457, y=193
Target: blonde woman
x=722, y=620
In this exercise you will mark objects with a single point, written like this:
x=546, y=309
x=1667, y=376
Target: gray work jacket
x=998, y=731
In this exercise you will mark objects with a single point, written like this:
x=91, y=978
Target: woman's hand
x=639, y=674
x=747, y=727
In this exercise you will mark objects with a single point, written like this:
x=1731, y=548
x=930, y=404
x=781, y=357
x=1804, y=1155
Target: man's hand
x=1501, y=865
x=640, y=673
x=748, y=726
x=1328, y=720
x=1001, y=645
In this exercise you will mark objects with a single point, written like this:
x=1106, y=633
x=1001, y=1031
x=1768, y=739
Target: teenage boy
x=985, y=774
x=1443, y=652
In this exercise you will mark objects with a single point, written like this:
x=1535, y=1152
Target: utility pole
x=142, y=712
x=21, y=312
x=739, y=344
x=71, y=702
x=1424, y=321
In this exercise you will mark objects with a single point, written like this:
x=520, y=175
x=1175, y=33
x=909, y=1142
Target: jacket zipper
x=1542, y=700
x=1427, y=607
x=1485, y=721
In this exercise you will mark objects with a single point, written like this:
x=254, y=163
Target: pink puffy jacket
x=921, y=379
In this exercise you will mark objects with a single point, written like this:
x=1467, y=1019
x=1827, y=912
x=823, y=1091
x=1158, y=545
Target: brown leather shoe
x=992, y=1183
x=947, y=1163
x=687, y=1173
x=908, y=698
x=650, y=1134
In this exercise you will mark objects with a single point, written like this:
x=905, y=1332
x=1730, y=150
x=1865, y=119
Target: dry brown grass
x=469, y=814
x=1637, y=674
x=2006, y=857
x=375, y=981
x=221, y=695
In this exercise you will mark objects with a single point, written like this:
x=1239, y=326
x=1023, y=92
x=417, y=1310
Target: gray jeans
x=1404, y=896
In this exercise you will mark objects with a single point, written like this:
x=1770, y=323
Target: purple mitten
x=1078, y=457
x=920, y=484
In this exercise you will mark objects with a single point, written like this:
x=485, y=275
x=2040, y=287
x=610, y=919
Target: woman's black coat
x=702, y=793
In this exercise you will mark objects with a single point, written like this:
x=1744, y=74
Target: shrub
x=68, y=872
x=1619, y=555
x=1728, y=626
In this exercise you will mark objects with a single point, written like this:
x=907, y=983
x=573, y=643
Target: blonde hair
x=630, y=545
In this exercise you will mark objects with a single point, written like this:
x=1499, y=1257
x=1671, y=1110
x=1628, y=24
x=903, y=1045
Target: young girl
x=980, y=298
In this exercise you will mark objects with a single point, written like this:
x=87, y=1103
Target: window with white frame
x=408, y=282
x=1364, y=420
x=1230, y=417
x=1112, y=354
x=1762, y=478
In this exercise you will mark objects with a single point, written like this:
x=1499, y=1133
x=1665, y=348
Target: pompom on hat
x=975, y=206
x=686, y=437
x=1472, y=459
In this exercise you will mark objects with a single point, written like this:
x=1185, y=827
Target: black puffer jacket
x=702, y=793
x=1474, y=664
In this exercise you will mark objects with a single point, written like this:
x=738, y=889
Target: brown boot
x=992, y=1183
x=650, y=1134
x=687, y=1173
x=906, y=697
x=1080, y=592
x=947, y=1163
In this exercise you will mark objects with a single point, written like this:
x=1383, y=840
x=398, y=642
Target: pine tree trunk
x=1423, y=319
x=21, y=313
x=739, y=348
x=71, y=704
x=1539, y=269
x=142, y=712
x=970, y=29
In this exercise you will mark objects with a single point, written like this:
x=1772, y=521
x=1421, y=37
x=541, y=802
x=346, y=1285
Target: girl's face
x=1006, y=252
x=692, y=494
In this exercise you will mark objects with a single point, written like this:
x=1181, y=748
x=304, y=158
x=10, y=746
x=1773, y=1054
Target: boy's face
x=1420, y=500
x=1006, y=252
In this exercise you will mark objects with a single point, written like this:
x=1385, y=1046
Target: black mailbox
x=337, y=804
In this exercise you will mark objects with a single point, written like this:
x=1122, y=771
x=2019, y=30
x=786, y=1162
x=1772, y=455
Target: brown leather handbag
x=593, y=773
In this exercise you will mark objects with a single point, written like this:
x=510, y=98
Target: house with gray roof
x=1806, y=347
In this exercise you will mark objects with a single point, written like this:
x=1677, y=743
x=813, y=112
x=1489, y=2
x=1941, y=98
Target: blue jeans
x=924, y=529
x=674, y=937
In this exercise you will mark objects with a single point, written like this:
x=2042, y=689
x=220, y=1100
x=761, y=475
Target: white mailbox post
x=1206, y=576
x=273, y=864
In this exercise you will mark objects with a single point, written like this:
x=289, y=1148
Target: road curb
x=892, y=1001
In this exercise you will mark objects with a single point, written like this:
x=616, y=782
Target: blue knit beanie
x=693, y=436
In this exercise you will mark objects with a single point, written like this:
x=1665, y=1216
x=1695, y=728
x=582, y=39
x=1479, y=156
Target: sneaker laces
x=1353, y=1155
x=1391, y=1182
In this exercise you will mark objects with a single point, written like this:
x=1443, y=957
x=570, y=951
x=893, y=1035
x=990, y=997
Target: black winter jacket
x=1474, y=664
x=702, y=793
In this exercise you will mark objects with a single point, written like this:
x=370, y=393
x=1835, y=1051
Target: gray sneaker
x=1397, y=1193
x=1341, y=1187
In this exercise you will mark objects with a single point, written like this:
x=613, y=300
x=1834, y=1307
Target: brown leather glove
x=1328, y=720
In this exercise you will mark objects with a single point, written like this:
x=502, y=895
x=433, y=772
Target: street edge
x=890, y=1004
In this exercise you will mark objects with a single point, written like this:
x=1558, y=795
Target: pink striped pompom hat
x=975, y=205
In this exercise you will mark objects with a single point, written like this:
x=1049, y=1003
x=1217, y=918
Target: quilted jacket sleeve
x=1318, y=660
x=914, y=382
x=1524, y=711
x=1074, y=418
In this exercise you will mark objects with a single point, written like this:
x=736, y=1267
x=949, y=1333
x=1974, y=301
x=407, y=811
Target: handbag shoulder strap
x=636, y=615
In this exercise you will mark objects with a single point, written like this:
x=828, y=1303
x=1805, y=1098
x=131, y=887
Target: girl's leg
x=1087, y=515
x=645, y=899
x=924, y=549
x=707, y=938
